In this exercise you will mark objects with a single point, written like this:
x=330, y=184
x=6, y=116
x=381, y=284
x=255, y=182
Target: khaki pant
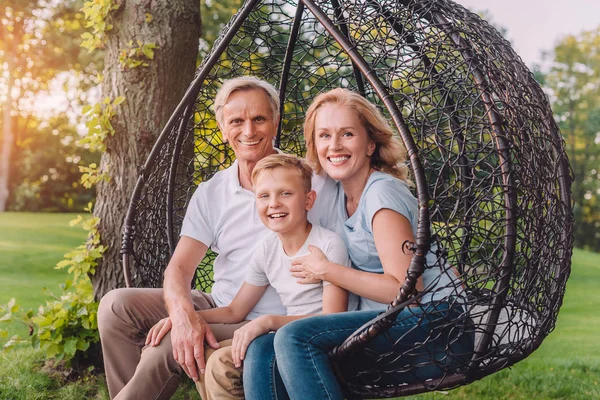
x=222, y=380
x=124, y=318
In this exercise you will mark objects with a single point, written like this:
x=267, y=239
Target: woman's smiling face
x=342, y=142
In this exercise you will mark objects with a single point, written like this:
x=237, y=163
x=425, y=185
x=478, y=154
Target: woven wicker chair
x=490, y=171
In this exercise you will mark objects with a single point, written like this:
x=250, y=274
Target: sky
x=534, y=26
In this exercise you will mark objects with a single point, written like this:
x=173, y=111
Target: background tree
x=151, y=90
x=215, y=14
x=38, y=41
x=573, y=83
x=47, y=159
x=175, y=33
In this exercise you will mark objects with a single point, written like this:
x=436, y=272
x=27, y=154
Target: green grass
x=30, y=246
x=566, y=366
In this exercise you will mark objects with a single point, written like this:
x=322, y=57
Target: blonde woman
x=348, y=139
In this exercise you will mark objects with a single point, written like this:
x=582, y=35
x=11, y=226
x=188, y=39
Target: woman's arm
x=389, y=229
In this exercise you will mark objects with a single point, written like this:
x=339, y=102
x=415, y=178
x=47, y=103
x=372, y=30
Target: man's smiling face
x=248, y=124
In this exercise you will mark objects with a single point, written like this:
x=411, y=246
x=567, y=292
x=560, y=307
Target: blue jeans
x=261, y=377
x=302, y=348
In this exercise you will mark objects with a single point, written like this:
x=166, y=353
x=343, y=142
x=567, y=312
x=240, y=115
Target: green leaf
x=12, y=342
x=83, y=345
x=63, y=264
x=70, y=346
x=148, y=52
x=82, y=311
x=6, y=317
x=52, y=350
x=35, y=341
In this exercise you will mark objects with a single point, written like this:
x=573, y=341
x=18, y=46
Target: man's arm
x=189, y=330
x=179, y=274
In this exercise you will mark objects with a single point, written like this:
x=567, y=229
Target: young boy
x=282, y=186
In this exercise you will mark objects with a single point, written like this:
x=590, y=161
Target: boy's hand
x=245, y=335
x=158, y=331
x=310, y=268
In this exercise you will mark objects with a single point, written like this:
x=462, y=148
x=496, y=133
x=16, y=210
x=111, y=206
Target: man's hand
x=158, y=331
x=245, y=335
x=189, y=331
x=310, y=268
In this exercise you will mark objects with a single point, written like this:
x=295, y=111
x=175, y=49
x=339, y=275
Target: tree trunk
x=7, y=128
x=151, y=94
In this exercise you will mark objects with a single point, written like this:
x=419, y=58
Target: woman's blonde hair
x=389, y=155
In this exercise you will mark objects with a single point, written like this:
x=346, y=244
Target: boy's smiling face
x=281, y=201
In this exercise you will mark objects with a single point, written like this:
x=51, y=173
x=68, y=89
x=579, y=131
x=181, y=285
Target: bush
x=66, y=327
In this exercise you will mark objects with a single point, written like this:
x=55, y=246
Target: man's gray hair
x=245, y=83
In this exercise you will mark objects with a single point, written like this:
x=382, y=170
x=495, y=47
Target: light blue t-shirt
x=385, y=191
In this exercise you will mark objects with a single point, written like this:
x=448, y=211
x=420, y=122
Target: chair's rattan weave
x=487, y=158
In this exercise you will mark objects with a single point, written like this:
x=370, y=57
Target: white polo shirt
x=222, y=215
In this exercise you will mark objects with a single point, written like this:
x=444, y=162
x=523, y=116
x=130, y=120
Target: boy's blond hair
x=285, y=161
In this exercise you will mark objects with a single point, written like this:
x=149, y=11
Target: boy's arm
x=335, y=299
x=241, y=305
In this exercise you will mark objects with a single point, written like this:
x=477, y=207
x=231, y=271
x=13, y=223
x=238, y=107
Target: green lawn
x=30, y=246
x=566, y=366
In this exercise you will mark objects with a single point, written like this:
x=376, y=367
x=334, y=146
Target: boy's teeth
x=338, y=159
x=278, y=215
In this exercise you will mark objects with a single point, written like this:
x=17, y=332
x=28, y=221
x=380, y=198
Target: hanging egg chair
x=489, y=166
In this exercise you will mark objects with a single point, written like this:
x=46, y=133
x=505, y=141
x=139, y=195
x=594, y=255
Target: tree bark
x=151, y=94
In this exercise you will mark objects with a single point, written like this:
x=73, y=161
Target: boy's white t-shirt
x=222, y=215
x=271, y=265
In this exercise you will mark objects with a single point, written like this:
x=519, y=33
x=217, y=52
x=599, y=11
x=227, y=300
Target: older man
x=220, y=216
